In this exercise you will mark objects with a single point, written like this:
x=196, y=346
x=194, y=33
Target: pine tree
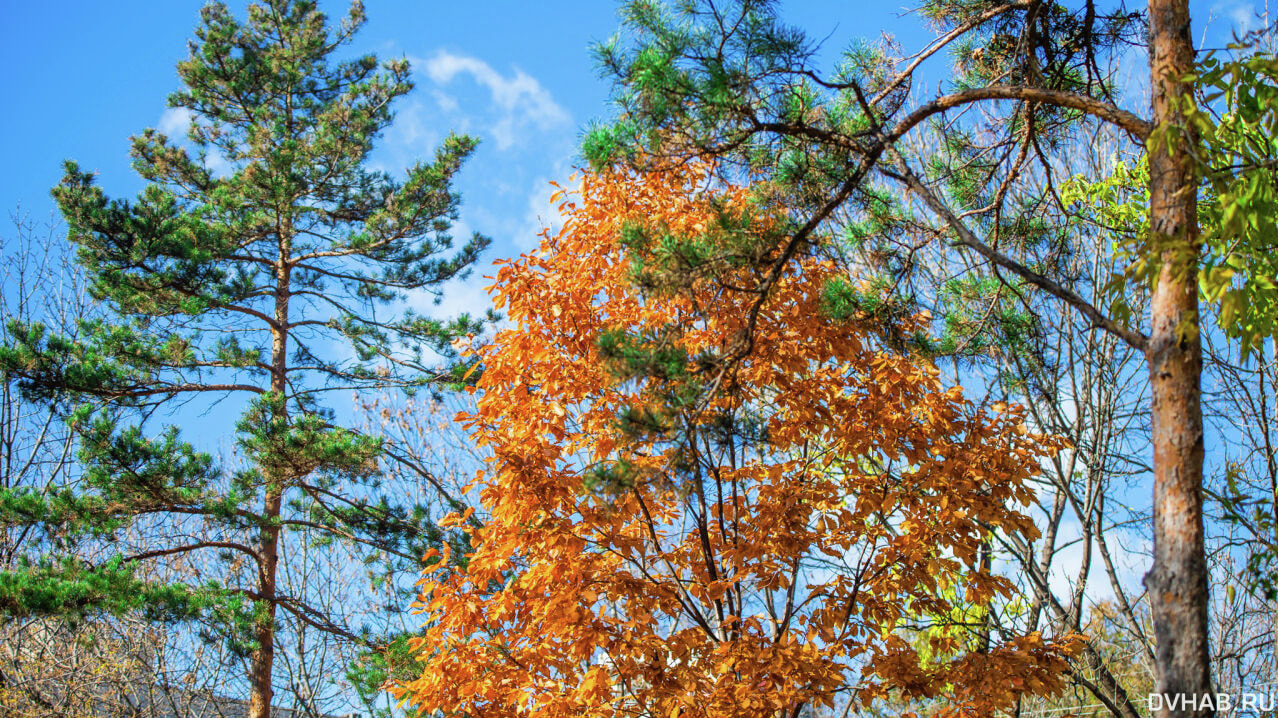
x=272, y=263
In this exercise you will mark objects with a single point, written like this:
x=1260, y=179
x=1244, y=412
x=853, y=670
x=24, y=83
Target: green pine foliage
x=268, y=262
x=733, y=82
x=932, y=188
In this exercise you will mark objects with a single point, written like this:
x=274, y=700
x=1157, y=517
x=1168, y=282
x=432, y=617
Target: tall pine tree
x=269, y=263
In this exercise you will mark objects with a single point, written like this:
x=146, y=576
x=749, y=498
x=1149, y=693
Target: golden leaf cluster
x=732, y=574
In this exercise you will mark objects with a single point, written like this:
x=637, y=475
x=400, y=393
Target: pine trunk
x=1177, y=583
x=261, y=690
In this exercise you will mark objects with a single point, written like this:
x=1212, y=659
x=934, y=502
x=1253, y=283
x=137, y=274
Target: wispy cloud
x=1130, y=552
x=175, y=122
x=520, y=100
x=541, y=214
x=1240, y=17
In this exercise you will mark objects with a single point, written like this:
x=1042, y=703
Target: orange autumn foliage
x=730, y=571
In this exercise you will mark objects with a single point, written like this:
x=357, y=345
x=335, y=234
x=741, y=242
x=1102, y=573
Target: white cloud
x=1241, y=17
x=541, y=214
x=457, y=295
x=1130, y=552
x=520, y=99
x=175, y=122
x=411, y=138
x=460, y=296
x=446, y=102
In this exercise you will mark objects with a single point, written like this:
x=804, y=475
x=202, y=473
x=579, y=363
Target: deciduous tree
x=659, y=538
x=732, y=81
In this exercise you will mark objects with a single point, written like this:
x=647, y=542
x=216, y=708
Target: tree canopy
x=662, y=539
x=266, y=261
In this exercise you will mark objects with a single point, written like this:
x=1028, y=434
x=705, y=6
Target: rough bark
x=261, y=687
x=263, y=660
x=1177, y=583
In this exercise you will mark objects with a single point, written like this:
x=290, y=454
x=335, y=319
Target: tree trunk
x=1177, y=583
x=261, y=690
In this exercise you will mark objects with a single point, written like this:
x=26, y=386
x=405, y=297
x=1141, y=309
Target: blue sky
x=79, y=81
x=81, y=76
